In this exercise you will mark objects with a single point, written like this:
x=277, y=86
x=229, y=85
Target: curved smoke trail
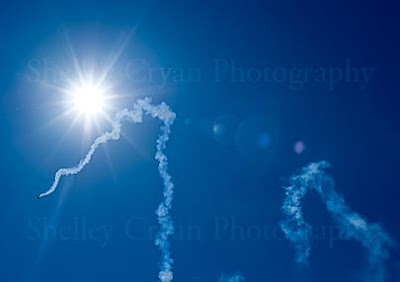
x=164, y=113
x=351, y=225
x=233, y=278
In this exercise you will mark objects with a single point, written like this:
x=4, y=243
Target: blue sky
x=247, y=80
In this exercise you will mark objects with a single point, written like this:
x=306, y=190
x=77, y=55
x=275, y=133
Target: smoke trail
x=296, y=229
x=233, y=278
x=351, y=225
x=164, y=113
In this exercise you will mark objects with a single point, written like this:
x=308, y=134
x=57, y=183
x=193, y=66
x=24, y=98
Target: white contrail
x=164, y=113
x=232, y=278
x=351, y=225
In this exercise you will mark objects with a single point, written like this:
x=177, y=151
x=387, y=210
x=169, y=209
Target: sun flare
x=89, y=99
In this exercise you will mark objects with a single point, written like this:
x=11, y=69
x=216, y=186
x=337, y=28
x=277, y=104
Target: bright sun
x=89, y=99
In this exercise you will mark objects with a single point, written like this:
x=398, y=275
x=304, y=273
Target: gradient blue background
x=219, y=175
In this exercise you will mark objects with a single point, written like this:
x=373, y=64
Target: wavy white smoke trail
x=351, y=225
x=233, y=278
x=164, y=113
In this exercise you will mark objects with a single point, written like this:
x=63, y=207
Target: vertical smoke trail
x=164, y=113
x=163, y=212
x=351, y=225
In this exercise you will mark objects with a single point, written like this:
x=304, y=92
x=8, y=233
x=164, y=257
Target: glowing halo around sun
x=88, y=99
